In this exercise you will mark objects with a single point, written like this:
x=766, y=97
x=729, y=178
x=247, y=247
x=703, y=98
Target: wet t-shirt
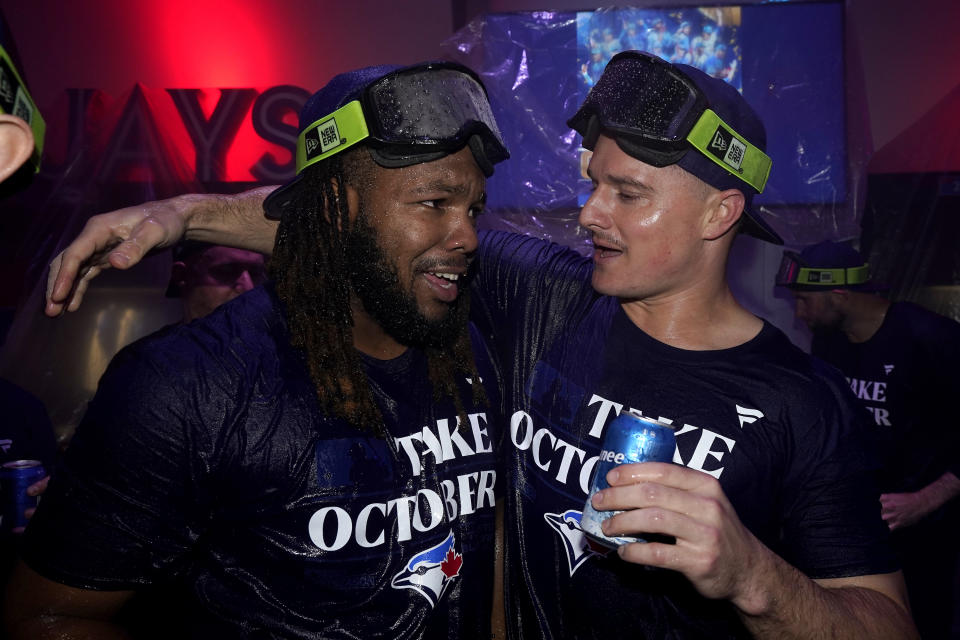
x=907, y=376
x=780, y=432
x=204, y=463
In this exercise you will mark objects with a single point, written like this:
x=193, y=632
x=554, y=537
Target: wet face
x=817, y=309
x=646, y=224
x=215, y=276
x=411, y=246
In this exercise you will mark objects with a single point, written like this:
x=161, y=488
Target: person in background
x=900, y=360
x=204, y=276
x=221, y=455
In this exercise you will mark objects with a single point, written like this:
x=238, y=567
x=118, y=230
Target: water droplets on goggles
x=794, y=272
x=411, y=116
x=15, y=100
x=656, y=113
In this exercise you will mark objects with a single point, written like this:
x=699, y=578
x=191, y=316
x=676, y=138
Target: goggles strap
x=833, y=277
x=720, y=143
x=15, y=100
x=331, y=134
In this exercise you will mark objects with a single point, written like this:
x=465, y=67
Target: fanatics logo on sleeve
x=430, y=572
x=727, y=148
x=748, y=416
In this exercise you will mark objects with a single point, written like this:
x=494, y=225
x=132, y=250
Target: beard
x=375, y=282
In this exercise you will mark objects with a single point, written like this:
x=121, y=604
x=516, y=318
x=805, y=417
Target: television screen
x=786, y=58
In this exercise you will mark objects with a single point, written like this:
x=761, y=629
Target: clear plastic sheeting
x=788, y=61
x=527, y=62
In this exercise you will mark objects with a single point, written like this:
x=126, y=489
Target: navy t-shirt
x=781, y=434
x=203, y=460
x=907, y=375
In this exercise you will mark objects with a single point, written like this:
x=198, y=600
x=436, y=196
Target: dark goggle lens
x=438, y=108
x=639, y=95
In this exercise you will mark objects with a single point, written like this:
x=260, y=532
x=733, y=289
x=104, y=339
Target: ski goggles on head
x=793, y=272
x=411, y=116
x=656, y=113
x=15, y=100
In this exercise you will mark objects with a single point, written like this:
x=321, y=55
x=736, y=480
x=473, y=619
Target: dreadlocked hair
x=445, y=365
x=309, y=268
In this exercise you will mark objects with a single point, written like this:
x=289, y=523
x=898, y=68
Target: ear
x=178, y=274
x=16, y=144
x=353, y=199
x=724, y=209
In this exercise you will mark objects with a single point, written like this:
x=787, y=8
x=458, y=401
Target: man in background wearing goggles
x=772, y=512
x=314, y=458
x=901, y=362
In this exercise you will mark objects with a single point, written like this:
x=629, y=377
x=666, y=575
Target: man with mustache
x=775, y=521
x=229, y=459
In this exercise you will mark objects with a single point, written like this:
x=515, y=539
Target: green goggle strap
x=331, y=134
x=720, y=143
x=25, y=108
x=833, y=277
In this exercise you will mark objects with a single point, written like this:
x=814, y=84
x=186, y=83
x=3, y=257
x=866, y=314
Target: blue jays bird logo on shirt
x=430, y=572
x=578, y=546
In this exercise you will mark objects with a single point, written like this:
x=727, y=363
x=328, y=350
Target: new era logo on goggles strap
x=16, y=101
x=793, y=272
x=332, y=134
x=718, y=142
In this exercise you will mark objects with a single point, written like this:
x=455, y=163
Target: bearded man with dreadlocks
x=314, y=458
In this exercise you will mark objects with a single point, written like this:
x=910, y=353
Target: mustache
x=607, y=238
x=458, y=263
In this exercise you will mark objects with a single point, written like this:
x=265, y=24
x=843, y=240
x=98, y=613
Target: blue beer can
x=15, y=477
x=629, y=438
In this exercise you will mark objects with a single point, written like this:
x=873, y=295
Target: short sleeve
x=833, y=526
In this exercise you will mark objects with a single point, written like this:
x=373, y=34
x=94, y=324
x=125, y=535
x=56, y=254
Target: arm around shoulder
x=121, y=238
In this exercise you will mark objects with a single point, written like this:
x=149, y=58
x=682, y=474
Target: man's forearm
x=232, y=220
x=791, y=605
x=942, y=490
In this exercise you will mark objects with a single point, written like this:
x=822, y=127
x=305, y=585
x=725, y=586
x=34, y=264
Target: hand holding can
x=15, y=478
x=630, y=438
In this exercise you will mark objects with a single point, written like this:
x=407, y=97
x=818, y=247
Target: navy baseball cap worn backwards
x=662, y=114
x=824, y=266
x=404, y=115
